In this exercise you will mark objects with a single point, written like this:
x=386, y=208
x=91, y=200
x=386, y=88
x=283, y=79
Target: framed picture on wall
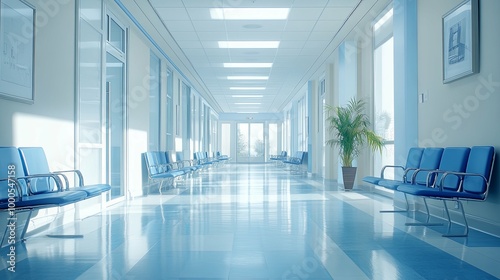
x=461, y=41
x=17, y=41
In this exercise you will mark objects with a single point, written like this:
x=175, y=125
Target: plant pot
x=348, y=174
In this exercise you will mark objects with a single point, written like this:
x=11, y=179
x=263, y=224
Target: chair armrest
x=462, y=175
x=55, y=177
x=433, y=173
x=75, y=171
x=417, y=171
x=185, y=161
x=389, y=166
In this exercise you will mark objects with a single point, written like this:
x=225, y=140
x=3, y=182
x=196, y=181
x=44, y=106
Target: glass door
x=115, y=111
x=115, y=127
x=250, y=145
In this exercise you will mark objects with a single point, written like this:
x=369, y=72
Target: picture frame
x=17, y=53
x=460, y=28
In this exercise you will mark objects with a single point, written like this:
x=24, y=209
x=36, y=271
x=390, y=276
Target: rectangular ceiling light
x=247, y=88
x=248, y=65
x=246, y=103
x=249, y=44
x=248, y=77
x=249, y=13
x=248, y=96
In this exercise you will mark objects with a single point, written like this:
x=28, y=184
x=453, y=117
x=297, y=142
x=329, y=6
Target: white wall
x=137, y=108
x=49, y=121
x=464, y=112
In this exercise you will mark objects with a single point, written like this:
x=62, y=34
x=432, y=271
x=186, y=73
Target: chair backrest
x=197, y=155
x=431, y=157
x=283, y=154
x=481, y=159
x=151, y=159
x=162, y=161
x=300, y=155
x=170, y=157
x=413, y=161
x=179, y=156
x=453, y=159
x=35, y=162
x=10, y=161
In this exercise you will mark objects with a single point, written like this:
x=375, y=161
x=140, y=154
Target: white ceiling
x=304, y=36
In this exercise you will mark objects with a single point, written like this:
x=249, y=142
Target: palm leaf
x=351, y=130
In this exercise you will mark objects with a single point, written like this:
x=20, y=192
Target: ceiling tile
x=305, y=13
x=303, y=37
x=180, y=26
x=172, y=14
x=336, y=13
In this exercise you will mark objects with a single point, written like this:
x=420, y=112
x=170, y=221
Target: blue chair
x=35, y=162
x=453, y=159
x=22, y=193
x=202, y=159
x=429, y=160
x=187, y=163
x=412, y=163
x=177, y=165
x=278, y=159
x=471, y=185
x=296, y=161
x=221, y=157
x=158, y=172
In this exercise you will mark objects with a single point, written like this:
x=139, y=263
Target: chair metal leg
x=25, y=229
x=16, y=223
x=466, y=232
x=427, y=223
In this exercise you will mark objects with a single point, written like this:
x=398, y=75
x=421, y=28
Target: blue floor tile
x=254, y=221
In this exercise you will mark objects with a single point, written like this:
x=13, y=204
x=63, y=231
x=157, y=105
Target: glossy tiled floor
x=254, y=222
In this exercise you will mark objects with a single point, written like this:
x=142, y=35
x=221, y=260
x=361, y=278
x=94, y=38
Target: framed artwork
x=17, y=41
x=461, y=41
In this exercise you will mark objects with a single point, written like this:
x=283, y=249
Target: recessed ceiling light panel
x=248, y=44
x=247, y=65
x=247, y=88
x=247, y=96
x=247, y=77
x=249, y=13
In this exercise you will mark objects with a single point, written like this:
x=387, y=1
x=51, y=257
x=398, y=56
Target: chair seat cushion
x=390, y=184
x=46, y=200
x=436, y=193
x=94, y=190
x=372, y=180
x=162, y=175
x=176, y=173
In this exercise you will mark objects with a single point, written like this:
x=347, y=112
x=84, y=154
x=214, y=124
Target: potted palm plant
x=350, y=127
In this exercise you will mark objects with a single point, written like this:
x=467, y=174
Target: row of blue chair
x=171, y=168
x=204, y=159
x=297, y=162
x=31, y=185
x=164, y=166
x=278, y=159
x=446, y=174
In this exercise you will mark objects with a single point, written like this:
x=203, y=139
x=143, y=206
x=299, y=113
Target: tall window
x=302, y=125
x=383, y=62
x=225, y=140
x=154, y=103
x=170, y=111
x=273, y=139
x=287, y=134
